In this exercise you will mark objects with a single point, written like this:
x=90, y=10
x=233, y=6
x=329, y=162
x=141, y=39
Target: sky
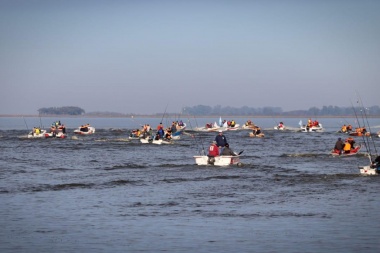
x=145, y=56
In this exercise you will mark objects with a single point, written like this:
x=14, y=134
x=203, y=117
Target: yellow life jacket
x=347, y=146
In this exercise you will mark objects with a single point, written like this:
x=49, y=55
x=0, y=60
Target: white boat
x=218, y=160
x=85, y=130
x=309, y=129
x=368, y=170
x=32, y=135
x=209, y=128
x=280, y=126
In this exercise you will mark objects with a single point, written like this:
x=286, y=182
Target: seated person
x=213, y=150
x=227, y=150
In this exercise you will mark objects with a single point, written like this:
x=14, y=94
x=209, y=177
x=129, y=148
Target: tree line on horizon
x=204, y=110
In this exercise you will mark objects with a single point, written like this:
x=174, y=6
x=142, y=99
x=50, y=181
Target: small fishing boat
x=307, y=129
x=59, y=135
x=85, y=130
x=360, y=131
x=218, y=160
x=369, y=170
x=311, y=126
x=39, y=134
x=260, y=135
x=353, y=151
x=281, y=128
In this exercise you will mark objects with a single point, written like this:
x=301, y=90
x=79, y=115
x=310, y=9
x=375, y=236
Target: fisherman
x=339, y=145
x=376, y=164
x=347, y=147
x=227, y=150
x=221, y=140
x=213, y=151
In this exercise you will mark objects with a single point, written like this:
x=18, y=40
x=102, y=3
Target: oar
x=241, y=152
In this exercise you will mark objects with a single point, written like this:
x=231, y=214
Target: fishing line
x=369, y=127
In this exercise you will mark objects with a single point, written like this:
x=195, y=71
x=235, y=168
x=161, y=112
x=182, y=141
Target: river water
x=104, y=193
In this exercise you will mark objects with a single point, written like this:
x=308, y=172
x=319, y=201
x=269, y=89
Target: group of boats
x=58, y=130
x=163, y=135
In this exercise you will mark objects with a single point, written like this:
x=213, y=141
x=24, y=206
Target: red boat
x=353, y=151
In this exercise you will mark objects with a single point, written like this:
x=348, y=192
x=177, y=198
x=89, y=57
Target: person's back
x=347, y=147
x=339, y=144
x=227, y=150
x=213, y=150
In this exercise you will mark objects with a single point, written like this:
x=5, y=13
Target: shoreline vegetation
x=202, y=111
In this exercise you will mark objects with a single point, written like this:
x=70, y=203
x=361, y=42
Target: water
x=103, y=193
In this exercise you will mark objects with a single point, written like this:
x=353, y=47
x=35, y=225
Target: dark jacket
x=339, y=145
x=221, y=140
x=227, y=151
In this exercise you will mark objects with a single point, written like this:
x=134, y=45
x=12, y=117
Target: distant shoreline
x=176, y=116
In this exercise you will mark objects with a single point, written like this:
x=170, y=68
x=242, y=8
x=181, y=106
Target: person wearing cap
x=339, y=145
x=221, y=140
x=227, y=150
x=213, y=150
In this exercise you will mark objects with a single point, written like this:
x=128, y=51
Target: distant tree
x=66, y=110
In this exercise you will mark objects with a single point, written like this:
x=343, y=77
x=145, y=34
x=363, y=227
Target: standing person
x=221, y=140
x=339, y=145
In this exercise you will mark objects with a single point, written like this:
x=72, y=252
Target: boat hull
x=36, y=136
x=91, y=130
x=217, y=161
x=354, y=151
x=367, y=170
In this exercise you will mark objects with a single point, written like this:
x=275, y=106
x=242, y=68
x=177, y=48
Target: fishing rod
x=366, y=143
x=27, y=128
x=201, y=151
x=164, y=112
x=369, y=127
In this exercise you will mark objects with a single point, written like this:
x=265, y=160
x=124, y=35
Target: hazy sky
x=141, y=56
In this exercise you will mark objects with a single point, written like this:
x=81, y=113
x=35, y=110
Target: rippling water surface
x=105, y=193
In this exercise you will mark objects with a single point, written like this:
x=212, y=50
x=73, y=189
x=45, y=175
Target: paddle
x=241, y=152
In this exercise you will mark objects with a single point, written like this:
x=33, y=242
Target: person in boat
x=173, y=127
x=309, y=123
x=213, y=149
x=160, y=126
x=256, y=130
x=339, y=145
x=344, y=129
x=351, y=141
x=221, y=140
x=233, y=123
x=376, y=164
x=349, y=128
x=280, y=125
x=347, y=147
x=227, y=150
x=168, y=135
x=316, y=123
x=37, y=131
